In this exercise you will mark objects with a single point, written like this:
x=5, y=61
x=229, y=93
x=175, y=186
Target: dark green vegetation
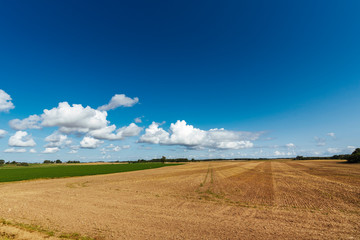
x=36, y=171
x=354, y=157
x=351, y=158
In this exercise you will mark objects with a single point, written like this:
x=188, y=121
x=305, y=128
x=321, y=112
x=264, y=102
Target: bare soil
x=206, y=200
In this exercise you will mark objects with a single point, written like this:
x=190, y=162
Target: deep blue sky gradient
x=291, y=68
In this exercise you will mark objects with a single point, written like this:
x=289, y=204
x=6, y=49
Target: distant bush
x=354, y=157
x=48, y=161
x=73, y=162
x=23, y=164
x=58, y=161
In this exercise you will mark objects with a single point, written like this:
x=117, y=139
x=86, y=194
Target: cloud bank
x=183, y=134
x=76, y=119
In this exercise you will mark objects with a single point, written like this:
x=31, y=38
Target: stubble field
x=203, y=200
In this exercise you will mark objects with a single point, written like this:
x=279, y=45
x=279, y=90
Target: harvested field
x=205, y=200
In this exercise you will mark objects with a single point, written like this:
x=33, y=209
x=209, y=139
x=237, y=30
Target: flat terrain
x=206, y=200
x=9, y=173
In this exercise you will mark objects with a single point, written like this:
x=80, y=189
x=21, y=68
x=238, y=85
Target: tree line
x=351, y=158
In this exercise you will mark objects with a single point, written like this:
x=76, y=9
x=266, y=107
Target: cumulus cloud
x=15, y=150
x=90, y=142
x=74, y=118
x=5, y=102
x=73, y=151
x=187, y=135
x=107, y=133
x=21, y=139
x=154, y=134
x=51, y=150
x=290, y=145
x=57, y=140
x=119, y=100
x=32, y=122
x=2, y=133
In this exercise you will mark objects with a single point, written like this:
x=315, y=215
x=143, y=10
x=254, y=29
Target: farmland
x=37, y=171
x=278, y=199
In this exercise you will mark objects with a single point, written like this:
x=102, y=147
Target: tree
x=2, y=162
x=163, y=159
x=354, y=157
x=58, y=161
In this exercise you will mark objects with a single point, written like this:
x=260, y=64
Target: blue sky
x=274, y=78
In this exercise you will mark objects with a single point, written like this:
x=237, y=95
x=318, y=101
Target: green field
x=36, y=171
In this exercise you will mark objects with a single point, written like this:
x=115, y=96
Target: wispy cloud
x=15, y=150
x=119, y=100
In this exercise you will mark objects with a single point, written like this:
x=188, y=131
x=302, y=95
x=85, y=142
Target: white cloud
x=114, y=148
x=73, y=151
x=186, y=135
x=108, y=132
x=15, y=150
x=290, y=145
x=57, y=140
x=154, y=134
x=278, y=153
x=32, y=122
x=351, y=147
x=331, y=134
x=138, y=120
x=32, y=151
x=51, y=150
x=119, y=100
x=2, y=133
x=333, y=150
x=21, y=139
x=79, y=120
x=5, y=102
x=106, y=157
x=74, y=118
x=90, y=142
